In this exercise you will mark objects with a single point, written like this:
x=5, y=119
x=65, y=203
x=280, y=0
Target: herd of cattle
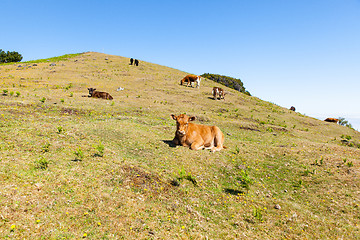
x=188, y=134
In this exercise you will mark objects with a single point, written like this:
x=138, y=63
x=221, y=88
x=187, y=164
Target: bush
x=344, y=122
x=7, y=57
x=230, y=82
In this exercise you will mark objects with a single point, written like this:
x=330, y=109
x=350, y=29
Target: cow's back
x=207, y=133
x=103, y=95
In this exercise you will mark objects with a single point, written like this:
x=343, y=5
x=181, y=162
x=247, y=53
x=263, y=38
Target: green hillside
x=75, y=167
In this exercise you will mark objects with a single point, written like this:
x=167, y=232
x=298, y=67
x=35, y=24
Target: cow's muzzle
x=181, y=132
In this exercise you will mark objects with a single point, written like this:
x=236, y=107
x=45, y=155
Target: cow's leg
x=198, y=82
x=218, y=140
x=176, y=141
x=197, y=145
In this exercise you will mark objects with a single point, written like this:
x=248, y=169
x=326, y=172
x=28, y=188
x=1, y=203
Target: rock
x=277, y=206
x=52, y=64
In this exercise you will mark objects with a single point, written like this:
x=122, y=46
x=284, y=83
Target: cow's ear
x=173, y=116
x=94, y=89
x=191, y=118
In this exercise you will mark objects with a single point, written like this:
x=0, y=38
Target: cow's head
x=182, y=123
x=91, y=91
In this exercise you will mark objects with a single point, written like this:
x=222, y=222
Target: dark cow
x=334, y=120
x=131, y=61
x=292, y=108
x=190, y=79
x=218, y=92
x=136, y=62
x=197, y=136
x=97, y=94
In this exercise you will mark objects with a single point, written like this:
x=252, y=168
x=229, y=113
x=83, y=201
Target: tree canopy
x=230, y=82
x=7, y=57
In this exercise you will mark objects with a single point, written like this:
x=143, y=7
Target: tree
x=230, y=82
x=6, y=57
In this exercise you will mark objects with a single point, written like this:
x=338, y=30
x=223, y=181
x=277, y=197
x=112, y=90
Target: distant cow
x=97, y=94
x=136, y=62
x=292, y=108
x=197, y=136
x=218, y=92
x=190, y=79
x=334, y=120
x=131, y=61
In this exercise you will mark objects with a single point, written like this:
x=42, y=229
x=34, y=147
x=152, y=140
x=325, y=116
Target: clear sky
x=304, y=53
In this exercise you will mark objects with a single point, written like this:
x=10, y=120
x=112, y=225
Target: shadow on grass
x=170, y=143
x=212, y=98
x=233, y=191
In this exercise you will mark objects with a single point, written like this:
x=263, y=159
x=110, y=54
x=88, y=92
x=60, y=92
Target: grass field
x=74, y=167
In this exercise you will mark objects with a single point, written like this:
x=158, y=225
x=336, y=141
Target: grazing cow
x=131, y=61
x=292, y=108
x=218, y=92
x=190, y=79
x=334, y=120
x=136, y=62
x=197, y=136
x=97, y=94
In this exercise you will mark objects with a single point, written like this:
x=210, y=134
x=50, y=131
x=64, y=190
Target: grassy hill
x=74, y=167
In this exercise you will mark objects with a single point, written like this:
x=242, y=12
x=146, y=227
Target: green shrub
x=244, y=180
x=100, y=150
x=7, y=57
x=230, y=82
x=42, y=163
x=79, y=155
x=344, y=122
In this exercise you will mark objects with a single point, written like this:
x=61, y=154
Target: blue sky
x=304, y=53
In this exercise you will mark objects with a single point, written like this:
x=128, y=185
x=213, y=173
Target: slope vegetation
x=73, y=166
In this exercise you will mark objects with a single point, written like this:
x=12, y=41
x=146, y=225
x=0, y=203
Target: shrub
x=187, y=176
x=230, y=82
x=60, y=129
x=244, y=180
x=79, y=155
x=41, y=163
x=100, y=150
x=344, y=122
x=7, y=57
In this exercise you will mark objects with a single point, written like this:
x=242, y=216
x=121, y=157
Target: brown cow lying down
x=97, y=94
x=197, y=136
x=335, y=120
x=218, y=92
x=190, y=79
